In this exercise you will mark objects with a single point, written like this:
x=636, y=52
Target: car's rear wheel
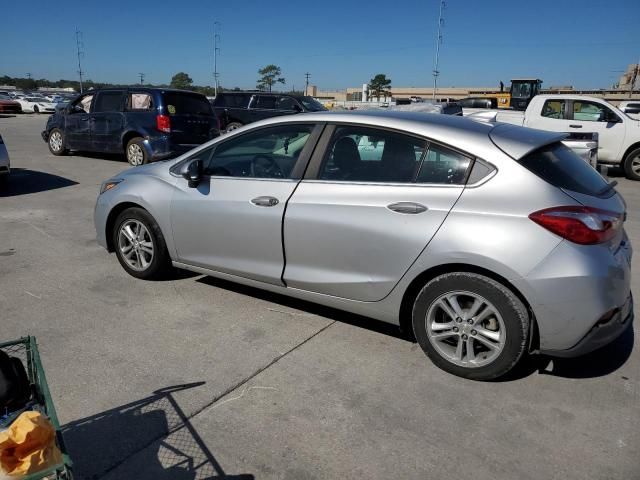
x=140, y=245
x=136, y=153
x=56, y=142
x=631, y=165
x=233, y=126
x=470, y=325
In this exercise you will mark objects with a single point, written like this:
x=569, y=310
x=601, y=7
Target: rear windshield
x=312, y=105
x=563, y=168
x=178, y=103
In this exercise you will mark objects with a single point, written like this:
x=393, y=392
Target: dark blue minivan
x=145, y=124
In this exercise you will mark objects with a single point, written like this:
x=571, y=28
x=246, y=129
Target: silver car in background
x=5, y=164
x=488, y=241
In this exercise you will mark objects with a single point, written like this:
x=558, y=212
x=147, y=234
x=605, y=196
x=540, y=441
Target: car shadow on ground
x=149, y=439
x=596, y=364
x=23, y=181
x=615, y=172
x=309, y=307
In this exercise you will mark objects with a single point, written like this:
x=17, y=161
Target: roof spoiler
x=518, y=141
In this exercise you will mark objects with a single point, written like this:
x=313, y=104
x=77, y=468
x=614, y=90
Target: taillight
x=583, y=225
x=163, y=123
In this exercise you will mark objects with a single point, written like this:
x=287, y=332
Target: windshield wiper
x=608, y=187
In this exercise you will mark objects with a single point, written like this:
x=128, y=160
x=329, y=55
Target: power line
x=216, y=49
x=306, y=82
x=79, y=48
x=141, y=75
x=436, y=72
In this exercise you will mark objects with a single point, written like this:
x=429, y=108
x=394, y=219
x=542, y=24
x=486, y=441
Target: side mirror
x=76, y=109
x=192, y=172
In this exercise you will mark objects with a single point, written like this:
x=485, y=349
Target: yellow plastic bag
x=28, y=445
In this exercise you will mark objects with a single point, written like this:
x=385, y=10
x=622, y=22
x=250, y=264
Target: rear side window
x=140, y=101
x=553, y=109
x=563, y=168
x=443, y=166
x=108, y=102
x=178, y=103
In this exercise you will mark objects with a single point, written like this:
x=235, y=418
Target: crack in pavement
x=215, y=400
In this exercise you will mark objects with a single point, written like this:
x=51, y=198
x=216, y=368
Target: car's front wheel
x=56, y=142
x=233, y=126
x=140, y=245
x=470, y=325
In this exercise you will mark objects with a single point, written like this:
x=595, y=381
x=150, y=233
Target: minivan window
x=140, y=101
x=560, y=166
x=108, y=102
x=362, y=154
x=287, y=103
x=182, y=103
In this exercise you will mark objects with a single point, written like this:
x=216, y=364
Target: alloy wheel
x=135, y=155
x=635, y=164
x=55, y=141
x=466, y=329
x=135, y=244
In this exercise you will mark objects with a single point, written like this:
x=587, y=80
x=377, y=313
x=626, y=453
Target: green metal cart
x=26, y=349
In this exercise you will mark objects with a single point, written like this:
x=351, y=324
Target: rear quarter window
x=560, y=166
x=178, y=103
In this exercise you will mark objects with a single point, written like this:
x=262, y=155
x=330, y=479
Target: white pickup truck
x=618, y=134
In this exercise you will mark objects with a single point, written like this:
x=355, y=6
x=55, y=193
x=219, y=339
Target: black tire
x=36, y=109
x=232, y=126
x=628, y=162
x=54, y=149
x=135, y=152
x=512, y=311
x=160, y=263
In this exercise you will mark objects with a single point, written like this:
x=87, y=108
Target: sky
x=584, y=43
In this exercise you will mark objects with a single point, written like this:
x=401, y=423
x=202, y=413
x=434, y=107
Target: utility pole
x=634, y=77
x=141, y=75
x=306, y=82
x=79, y=47
x=216, y=49
x=436, y=72
x=29, y=75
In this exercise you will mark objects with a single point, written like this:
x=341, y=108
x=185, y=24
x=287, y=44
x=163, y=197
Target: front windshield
x=312, y=105
x=34, y=99
x=521, y=90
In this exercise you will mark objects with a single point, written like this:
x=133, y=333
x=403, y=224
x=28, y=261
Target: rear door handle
x=575, y=126
x=265, y=201
x=407, y=207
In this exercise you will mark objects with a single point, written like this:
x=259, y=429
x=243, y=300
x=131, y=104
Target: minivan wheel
x=56, y=142
x=631, y=165
x=140, y=245
x=136, y=153
x=233, y=126
x=470, y=325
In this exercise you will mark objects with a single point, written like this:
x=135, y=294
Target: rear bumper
x=161, y=148
x=601, y=334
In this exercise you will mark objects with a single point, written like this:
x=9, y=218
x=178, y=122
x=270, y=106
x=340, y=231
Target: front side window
x=554, y=109
x=108, y=102
x=443, y=166
x=590, y=112
x=265, y=153
x=362, y=154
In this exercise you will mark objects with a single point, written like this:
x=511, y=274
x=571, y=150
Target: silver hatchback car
x=488, y=241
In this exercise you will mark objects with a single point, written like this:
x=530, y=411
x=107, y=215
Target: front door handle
x=575, y=126
x=265, y=201
x=407, y=207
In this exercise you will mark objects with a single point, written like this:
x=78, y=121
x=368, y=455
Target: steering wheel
x=263, y=166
